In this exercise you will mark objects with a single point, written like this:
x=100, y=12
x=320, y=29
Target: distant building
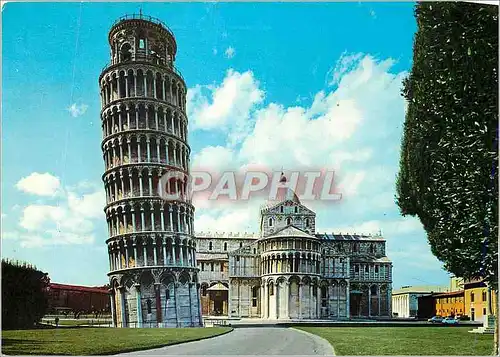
x=75, y=299
x=450, y=304
x=479, y=302
x=405, y=301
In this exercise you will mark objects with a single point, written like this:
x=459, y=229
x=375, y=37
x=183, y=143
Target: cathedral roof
x=348, y=237
x=290, y=231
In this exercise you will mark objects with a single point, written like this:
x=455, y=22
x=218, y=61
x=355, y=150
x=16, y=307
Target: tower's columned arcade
x=152, y=250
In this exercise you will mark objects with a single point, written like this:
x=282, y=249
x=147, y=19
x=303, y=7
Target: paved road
x=250, y=341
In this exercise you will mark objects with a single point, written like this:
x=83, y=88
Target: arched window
x=225, y=246
x=307, y=222
x=281, y=209
x=296, y=209
x=210, y=246
x=211, y=266
x=270, y=222
x=254, y=251
x=367, y=269
x=241, y=244
x=167, y=294
x=126, y=52
x=288, y=221
x=148, y=305
x=271, y=289
x=373, y=290
x=204, y=290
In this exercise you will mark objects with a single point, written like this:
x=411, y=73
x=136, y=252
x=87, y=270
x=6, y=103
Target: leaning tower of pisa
x=152, y=250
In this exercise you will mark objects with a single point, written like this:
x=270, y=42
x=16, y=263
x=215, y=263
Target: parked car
x=436, y=319
x=450, y=321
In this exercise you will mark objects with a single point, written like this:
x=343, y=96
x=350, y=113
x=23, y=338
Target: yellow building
x=449, y=304
x=477, y=299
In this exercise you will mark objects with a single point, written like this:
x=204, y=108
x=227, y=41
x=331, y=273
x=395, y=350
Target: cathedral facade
x=289, y=271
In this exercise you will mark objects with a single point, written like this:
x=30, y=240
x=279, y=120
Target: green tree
x=448, y=174
x=24, y=301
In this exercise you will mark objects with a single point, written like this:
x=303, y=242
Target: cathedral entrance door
x=355, y=302
x=219, y=298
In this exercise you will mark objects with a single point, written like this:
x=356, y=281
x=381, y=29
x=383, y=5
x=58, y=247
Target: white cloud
x=35, y=216
x=77, y=110
x=229, y=104
x=39, y=184
x=69, y=222
x=230, y=52
x=89, y=205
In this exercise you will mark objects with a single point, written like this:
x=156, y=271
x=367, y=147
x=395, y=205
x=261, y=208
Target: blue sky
x=284, y=84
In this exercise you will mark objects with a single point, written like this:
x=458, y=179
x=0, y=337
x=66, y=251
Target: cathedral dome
x=283, y=193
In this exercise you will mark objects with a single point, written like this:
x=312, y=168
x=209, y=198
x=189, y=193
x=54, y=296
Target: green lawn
x=98, y=341
x=379, y=341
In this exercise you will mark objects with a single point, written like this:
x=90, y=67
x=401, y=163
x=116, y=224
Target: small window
x=484, y=311
x=471, y=297
x=376, y=269
x=281, y=209
x=254, y=250
x=237, y=259
x=270, y=222
x=211, y=266
x=210, y=246
x=167, y=294
x=373, y=290
x=484, y=296
x=148, y=305
x=367, y=269
x=141, y=44
x=271, y=289
x=222, y=267
x=225, y=246
x=356, y=268
x=202, y=266
x=296, y=209
x=288, y=221
x=241, y=244
x=307, y=222
x=204, y=290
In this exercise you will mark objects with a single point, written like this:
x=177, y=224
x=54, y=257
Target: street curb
x=169, y=344
x=316, y=337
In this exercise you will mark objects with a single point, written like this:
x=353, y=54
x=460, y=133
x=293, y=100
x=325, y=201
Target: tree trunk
x=497, y=350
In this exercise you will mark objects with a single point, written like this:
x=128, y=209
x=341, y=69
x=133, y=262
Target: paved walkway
x=250, y=341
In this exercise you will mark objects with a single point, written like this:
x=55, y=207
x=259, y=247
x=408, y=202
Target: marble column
x=139, y=305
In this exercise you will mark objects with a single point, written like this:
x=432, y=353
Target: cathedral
x=289, y=271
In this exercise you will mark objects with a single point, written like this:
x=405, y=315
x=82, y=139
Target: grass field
x=97, y=341
x=397, y=341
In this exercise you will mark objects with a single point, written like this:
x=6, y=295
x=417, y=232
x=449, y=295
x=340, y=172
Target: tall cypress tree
x=448, y=174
